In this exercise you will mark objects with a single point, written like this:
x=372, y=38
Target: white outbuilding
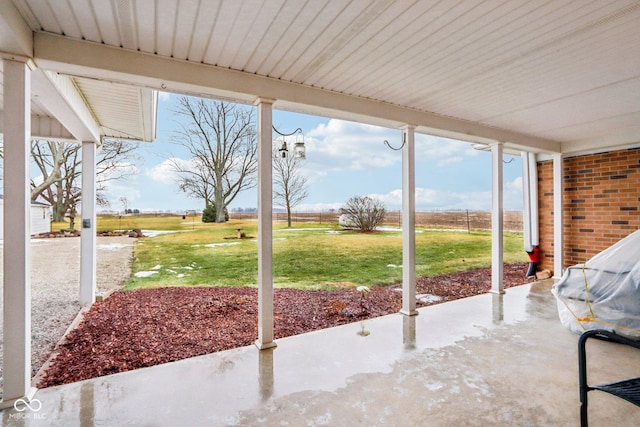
x=40, y=217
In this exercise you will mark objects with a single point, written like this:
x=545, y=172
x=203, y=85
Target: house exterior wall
x=601, y=204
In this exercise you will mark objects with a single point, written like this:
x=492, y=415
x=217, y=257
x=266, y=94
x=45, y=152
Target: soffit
x=566, y=71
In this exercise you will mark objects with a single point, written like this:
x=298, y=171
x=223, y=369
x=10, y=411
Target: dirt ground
x=145, y=327
x=55, y=286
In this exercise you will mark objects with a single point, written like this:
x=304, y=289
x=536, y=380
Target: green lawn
x=304, y=257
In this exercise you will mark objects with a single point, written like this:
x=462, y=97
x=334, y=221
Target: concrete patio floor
x=499, y=360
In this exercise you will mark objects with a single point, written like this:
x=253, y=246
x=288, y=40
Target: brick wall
x=601, y=203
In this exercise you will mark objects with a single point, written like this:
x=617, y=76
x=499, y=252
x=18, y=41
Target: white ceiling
x=548, y=75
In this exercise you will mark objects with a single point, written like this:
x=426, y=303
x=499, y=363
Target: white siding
x=40, y=218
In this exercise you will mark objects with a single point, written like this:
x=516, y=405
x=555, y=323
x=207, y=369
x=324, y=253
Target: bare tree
x=221, y=140
x=124, y=201
x=60, y=163
x=365, y=213
x=290, y=188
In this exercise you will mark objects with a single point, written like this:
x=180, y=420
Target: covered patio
x=485, y=360
x=549, y=80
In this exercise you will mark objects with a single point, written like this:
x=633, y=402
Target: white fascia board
x=82, y=58
x=61, y=98
x=16, y=38
x=623, y=138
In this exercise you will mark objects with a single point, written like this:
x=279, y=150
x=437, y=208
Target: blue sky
x=344, y=159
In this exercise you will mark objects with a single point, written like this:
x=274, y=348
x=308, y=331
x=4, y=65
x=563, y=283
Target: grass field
x=309, y=256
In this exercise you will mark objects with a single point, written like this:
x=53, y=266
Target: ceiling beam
x=49, y=129
x=82, y=58
x=60, y=97
x=46, y=128
x=16, y=38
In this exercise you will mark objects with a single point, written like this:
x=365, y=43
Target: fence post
x=468, y=225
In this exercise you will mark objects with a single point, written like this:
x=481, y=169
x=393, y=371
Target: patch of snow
x=388, y=229
x=428, y=298
x=393, y=266
x=156, y=267
x=214, y=245
x=113, y=246
x=145, y=273
x=334, y=232
x=397, y=229
x=154, y=233
x=168, y=270
x=304, y=229
x=180, y=276
x=188, y=267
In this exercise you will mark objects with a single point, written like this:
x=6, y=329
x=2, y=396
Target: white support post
x=16, y=362
x=533, y=194
x=408, y=222
x=497, y=221
x=88, y=230
x=526, y=202
x=558, y=213
x=265, y=225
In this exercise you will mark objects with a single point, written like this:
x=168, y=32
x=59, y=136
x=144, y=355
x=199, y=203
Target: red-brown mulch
x=145, y=327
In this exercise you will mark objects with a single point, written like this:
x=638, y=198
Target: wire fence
x=459, y=219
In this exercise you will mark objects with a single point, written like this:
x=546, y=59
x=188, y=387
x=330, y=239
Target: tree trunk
x=72, y=219
x=58, y=211
x=219, y=202
x=288, y=214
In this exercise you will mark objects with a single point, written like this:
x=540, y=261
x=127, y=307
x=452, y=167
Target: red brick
x=601, y=203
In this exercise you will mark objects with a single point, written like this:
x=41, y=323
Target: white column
x=497, y=222
x=558, y=213
x=408, y=222
x=88, y=225
x=533, y=194
x=526, y=202
x=265, y=225
x=17, y=232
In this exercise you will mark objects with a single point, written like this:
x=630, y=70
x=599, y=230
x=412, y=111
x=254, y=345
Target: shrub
x=365, y=212
x=209, y=214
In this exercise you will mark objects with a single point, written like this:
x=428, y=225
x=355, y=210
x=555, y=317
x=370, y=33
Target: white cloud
x=450, y=161
x=513, y=194
x=442, y=150
x=115, y=190
x=165, y=172
x=341, y=145
x=514, y=186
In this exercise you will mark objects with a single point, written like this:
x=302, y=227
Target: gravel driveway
x=55, y=285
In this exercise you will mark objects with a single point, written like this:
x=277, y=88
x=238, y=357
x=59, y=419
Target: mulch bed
x=146, y=327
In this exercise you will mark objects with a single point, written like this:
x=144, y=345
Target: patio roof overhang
x=544, y=77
